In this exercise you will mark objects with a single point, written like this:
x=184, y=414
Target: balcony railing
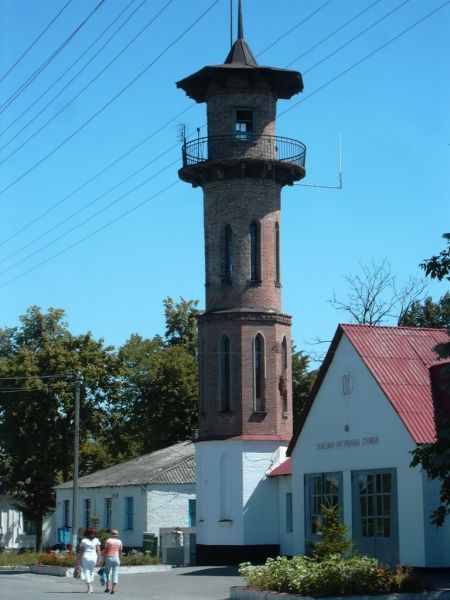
x=244, y=146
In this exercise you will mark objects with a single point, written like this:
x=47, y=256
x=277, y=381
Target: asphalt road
x=184, y=583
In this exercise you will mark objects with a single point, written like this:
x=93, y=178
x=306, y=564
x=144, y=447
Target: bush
x=57, y=560
x=333, y=576
x=135, y=558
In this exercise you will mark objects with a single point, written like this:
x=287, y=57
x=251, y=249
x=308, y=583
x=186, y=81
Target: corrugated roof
x=283, y=469
x=175, y=464
x=399, y=359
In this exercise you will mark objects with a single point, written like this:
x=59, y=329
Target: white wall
x=252, y=496
x=154, y=507
x=286, y=537
x=12, y=535
x=367, y=415
x=97, y=496
x=167, y=507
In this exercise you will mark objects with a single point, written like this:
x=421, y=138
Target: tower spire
x=240, y=26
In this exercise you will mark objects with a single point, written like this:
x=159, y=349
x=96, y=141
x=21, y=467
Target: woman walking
x=112, y=554
x=89, y=553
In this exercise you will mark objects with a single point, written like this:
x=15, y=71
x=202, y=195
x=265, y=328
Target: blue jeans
x=112, y=566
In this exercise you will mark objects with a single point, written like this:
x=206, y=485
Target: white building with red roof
x=373, y=402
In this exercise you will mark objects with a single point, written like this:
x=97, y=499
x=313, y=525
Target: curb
x=68, y=571
x=245, y=593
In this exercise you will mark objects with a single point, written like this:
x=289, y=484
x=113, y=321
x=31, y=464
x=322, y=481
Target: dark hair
x=90, y=533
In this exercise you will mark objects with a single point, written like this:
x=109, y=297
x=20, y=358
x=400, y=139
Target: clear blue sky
x=392, y=111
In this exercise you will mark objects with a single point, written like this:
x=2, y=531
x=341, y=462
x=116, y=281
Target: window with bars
x=375, y=495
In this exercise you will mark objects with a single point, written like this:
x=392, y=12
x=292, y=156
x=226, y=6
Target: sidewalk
x=184, y=583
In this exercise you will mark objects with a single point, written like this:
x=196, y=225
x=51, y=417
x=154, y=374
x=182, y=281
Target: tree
x=302, y=381
x=375, y=296
x=428, y=313
x=435, y=458
x=158, y=403
x=38, y=362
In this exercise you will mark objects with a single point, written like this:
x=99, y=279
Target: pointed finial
x=240, y=27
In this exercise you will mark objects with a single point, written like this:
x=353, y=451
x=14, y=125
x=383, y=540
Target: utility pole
x=76, y=452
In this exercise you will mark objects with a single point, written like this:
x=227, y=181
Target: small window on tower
x=255, y=252
x=245, y=124
x=259, y=375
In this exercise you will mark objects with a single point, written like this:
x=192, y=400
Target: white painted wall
x=252, y=496
x=367, y=414
x=154, y=507
x=284, y=484
x=12, y=535
x=437, y=539
x=168, y=507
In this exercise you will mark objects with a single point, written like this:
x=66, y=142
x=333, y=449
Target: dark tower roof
x=240, y=59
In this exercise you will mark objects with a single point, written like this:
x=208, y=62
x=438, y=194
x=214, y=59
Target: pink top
x=112, y=547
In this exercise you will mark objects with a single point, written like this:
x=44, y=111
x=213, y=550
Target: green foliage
x=36, y=425
x=428, y=313
x=57, y=559
x=134, y=559
x=334, y=540
x=435, y=458
x=10, y=559
x=159, y=386
x=302, y=381
x=181, y=323
x=334, y=576
x=438, y=266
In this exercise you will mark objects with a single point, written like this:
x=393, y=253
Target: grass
x=18, y=560
x=29, y=558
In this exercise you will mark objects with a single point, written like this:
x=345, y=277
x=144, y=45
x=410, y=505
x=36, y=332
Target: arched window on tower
x=283, y=376
x=225, y=374
x=277, y=254
x=202, y=375
x=228, y=263
x=255, y=251
x=259, y=375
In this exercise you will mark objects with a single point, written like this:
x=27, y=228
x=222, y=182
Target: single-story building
x=17, y=532
x=374, y=401
x=140, y=495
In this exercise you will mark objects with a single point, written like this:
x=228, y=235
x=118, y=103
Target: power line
x=385, y=16
x=22, y=56
x=113, y=99
x=45, y=64
x=310, y=95
x=75, y=62
x=295, y=27
x=86, y=237
x=83, y=89
x=332, y=33
x=36, y=389
x=78, y=225
x=93, y=178
x=357, y=63
x=54, y=376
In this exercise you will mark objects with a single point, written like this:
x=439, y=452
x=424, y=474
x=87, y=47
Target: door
x=375, y=514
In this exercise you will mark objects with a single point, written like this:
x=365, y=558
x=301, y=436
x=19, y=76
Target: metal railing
x=241, y=146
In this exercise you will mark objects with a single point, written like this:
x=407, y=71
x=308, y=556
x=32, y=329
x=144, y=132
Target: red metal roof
x=283, y=469
x=399, y=359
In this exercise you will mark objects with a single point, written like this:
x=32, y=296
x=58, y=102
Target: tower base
x=234, y=555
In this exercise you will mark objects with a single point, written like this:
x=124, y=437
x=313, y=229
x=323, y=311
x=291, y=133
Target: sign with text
x=353, y=443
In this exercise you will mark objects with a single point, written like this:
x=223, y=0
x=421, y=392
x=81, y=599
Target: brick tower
x=245, y=403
